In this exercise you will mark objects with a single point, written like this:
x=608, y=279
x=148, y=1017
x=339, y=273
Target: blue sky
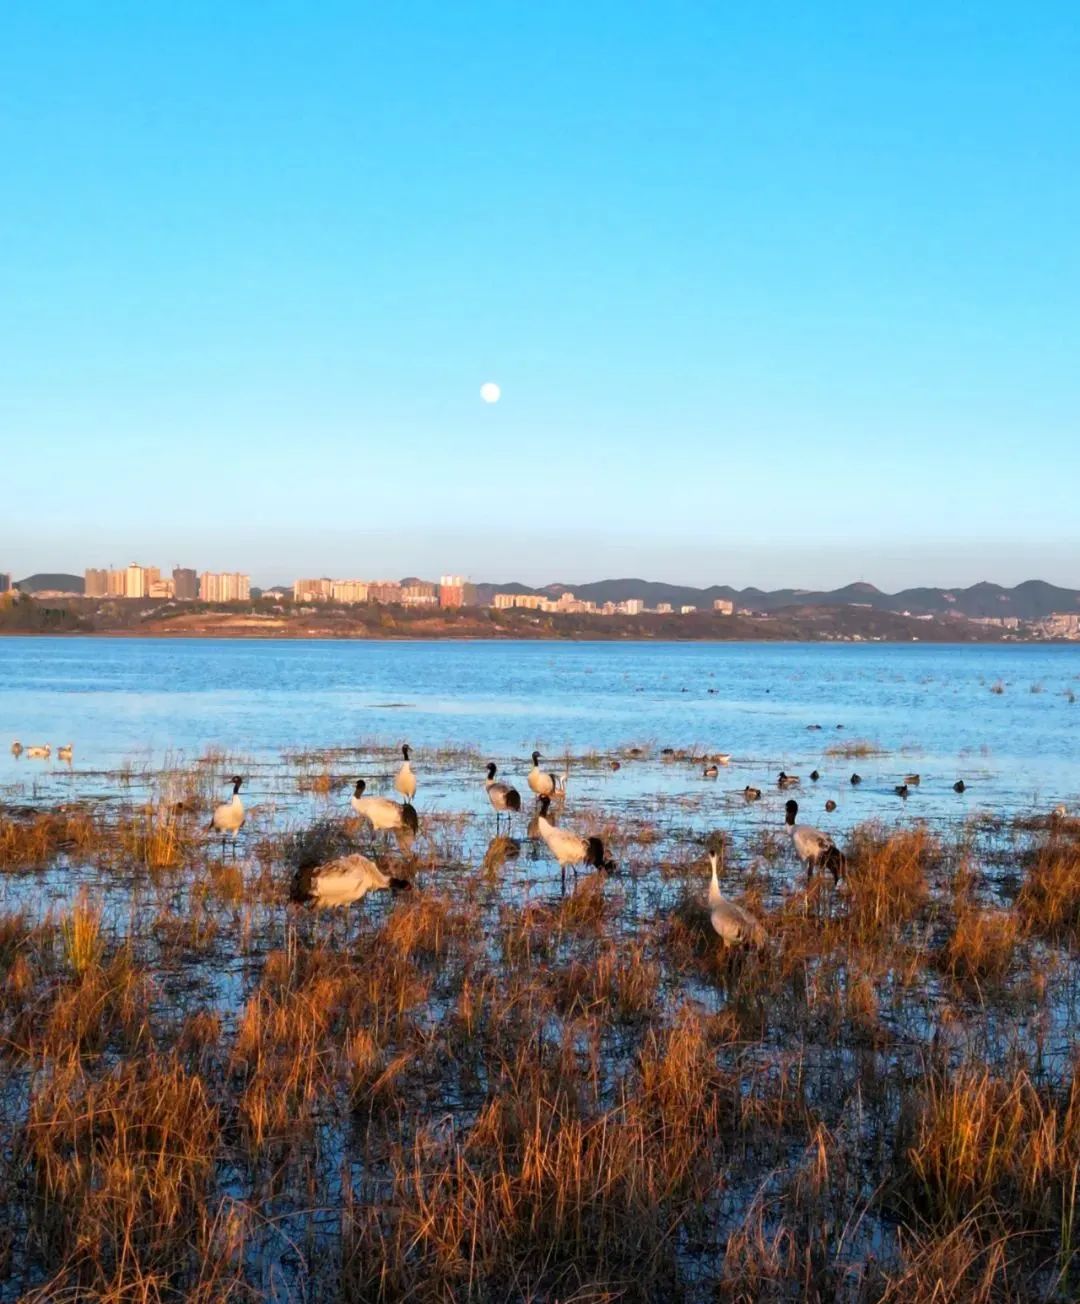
x=776, y=293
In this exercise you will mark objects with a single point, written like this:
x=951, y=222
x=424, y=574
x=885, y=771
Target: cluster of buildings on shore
x=568, y=604
x=451, y=591
x=185, y=585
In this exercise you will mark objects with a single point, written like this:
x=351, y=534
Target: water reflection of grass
x=486, y=1089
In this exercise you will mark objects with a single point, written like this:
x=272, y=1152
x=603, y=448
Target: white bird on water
x=570, y=848
x=228, y=818
x=382, y=813
x=342, y=881
x=542, y=782
x=503, y=798
x=814, y=848
x=731, y=923
x=39, y=753
x=405, y=782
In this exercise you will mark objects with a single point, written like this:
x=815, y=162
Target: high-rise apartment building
x=384, y=591
x=452, y=591
x=96, y=582
x=138, y=580
x=350, y=591
x=313, y=590
x=421, y=594
x=5, y=582
x=185, y=584
x=226, y=586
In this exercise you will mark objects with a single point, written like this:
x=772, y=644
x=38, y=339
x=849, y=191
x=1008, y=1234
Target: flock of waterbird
x=345, y=880
x=42, y=752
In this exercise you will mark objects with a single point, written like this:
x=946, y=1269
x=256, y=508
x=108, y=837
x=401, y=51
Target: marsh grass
x=487, y=1088
x=854, y=748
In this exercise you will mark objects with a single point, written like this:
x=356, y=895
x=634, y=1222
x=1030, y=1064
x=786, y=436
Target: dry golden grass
x=886, y=877
x=982, y=946
x=1049, y=899
x=483, y=1091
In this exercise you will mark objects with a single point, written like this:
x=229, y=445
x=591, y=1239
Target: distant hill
x=47, y=581
x=1030, y=600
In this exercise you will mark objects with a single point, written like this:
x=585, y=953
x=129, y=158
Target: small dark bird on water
x=856, y=778
x=814, y=776
x=830, y=805
x=901, y=790
x=912, y=780
x=959, y=786
x=751, y=794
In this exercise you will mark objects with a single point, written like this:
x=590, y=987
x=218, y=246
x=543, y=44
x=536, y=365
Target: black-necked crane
x=569, y=848
x=405, y=783
x=382, y=813
x=542, y=782
x=342, y=881
x=228, y=818
x=814, y=848
x=731, y=923
x=504, y=799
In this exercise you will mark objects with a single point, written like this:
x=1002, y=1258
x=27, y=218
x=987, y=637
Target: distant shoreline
x=267, y=620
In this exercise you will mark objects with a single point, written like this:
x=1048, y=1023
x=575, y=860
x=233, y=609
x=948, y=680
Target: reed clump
x=887, y=877
x=121, y=1167
x=977, y=1141
x=1049, y=898
x=981, y=947
x=34, y=840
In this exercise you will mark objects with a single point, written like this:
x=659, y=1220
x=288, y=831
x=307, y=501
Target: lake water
x=931, y=708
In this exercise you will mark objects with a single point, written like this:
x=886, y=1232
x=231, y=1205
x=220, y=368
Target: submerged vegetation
x=488, y=1089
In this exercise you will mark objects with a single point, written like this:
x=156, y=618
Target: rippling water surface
x=931, y=709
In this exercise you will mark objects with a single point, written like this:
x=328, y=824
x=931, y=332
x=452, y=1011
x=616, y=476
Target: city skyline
x=725, y=343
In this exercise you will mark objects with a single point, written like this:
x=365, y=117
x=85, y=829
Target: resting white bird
x=405, y=782
x=542, y=782
x=67, y=752
x=732, y=924
x=571, y=848
x=503, y=798
x=39, y=753
x=342, y=881
x=228, y=818
x=382, y=813
x=814, y=848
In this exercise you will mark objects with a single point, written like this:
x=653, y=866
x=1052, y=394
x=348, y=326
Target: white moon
x=490, y=392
